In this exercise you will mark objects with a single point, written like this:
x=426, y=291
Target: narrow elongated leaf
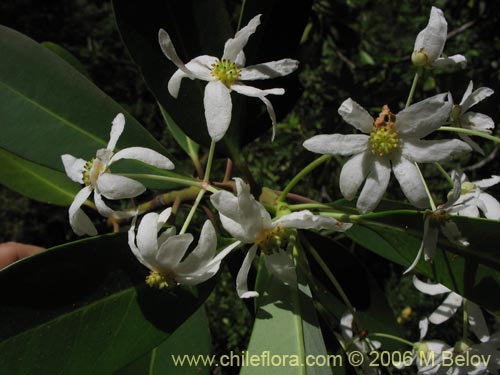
x=83, y=308
x=48, y=108
x=67, y=56
x=182, y=353
x=36, y=181
x=286, y=333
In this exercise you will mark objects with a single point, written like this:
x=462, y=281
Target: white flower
x=162, y=253
x=394, y=141
x=437, y=220
x=248, y=221
x=449, y=307
x=430, y=42
x=96, y=176
x=461, y=117
x=225, y=75
x=428, y=356
x=473, y=193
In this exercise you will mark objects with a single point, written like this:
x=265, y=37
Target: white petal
x=133, y=246
x=202, y=253
x=432, y=39
x=337, y=144
x=475, y=97
x=356, y=116
x=307, y=220
x=200, y=67
x=166, y=234
x=375, y=186
x=147, y=235
x=116, y=131
x=237, y=231
x=430, y=289
x=254, y=91
x=429, y=242
x=346, y=325
x=281, y=265
x=467, y=210
x=477, y=322
x=169, y=51
x=452, y=233
x=423, y=117
x=74, y=167
x=447, y=309
x=172, y=250
x=421, y=151
x=409, y=179
x=268, y=70
x=240, y=59
x=119, y=187
x=253, y=216
x=79, y=221
x=487, y=182
x=451, y=60
x=490, y=206
x=164, y=216
x=218, y=107
x=241, y=278
x=477, y=121
x=106, y=211
x=423, y=326
x=145, y=155
x=353, y=174
x=271, y=113
x=471, y=143
x=234, y=46
x=467, y=93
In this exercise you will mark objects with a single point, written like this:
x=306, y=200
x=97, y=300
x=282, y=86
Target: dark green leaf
x=67, y=56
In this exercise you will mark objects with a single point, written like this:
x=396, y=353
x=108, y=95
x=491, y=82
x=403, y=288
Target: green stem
x=470, y=132
x=427, y=191
x=308, y=206
x=299, y=176
x=413, y=87
x=444, y=173
x=395, y=338
x=192, y=211
x=241, y=15
x=177, y=180
x=210, y=161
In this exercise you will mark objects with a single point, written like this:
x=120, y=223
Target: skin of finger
x=13, y=251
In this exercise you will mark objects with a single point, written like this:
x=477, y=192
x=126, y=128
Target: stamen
x=159, y=281
x=225, y=71
x=383, y=138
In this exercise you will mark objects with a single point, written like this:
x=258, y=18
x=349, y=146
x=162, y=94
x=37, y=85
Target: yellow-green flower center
x=93, y=168
x=160, y=281
x=419, y=58
x=462, y=346
x=467, y=187
x=225, y=71
x=456, y=114
x=270, y=241
x=383, y=138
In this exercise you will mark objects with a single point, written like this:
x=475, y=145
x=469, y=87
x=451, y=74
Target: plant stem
x=427, y=191
x=413, y=87
x=177, y=180
x=299, y=176
x=388, y=336
x=470, y=132
x=209, y=161
x=444, y=173
x=192, y=211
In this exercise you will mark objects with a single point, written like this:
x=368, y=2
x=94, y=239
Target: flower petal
x=169, y=51
x=471, y=143
x=218, y=107
x=422, y=151
x=447, y=309
x=452, y=233
x=146, y=155
x=356, y=116
x=423, y=326
x=337, y=144
x=409, y=179
x=475, y=97
x=431, y=40
x=307, y=220
x=254, y=91
x=427, y=246
x=268, y=70
x=241, y=278
x=172, y=250
x=490, y=206
x=200, y=67
x=353, y=174
x=451, y=60
x=423, y=117
x=487, y=182
x=202, y=253
x=79, y=221
x=116, y=131
x=375, y=185
x=74, y=167
x=281, y=265
x=467, y=93
x=147, y=237
x=119, y=187
x=477, y=322
x=235, y=45
x=477, y=121
x=430, y=289
x=106, y=211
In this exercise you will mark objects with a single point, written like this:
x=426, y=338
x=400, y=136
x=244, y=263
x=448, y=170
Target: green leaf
x=365, y=58
x=472, y=271
x=286, y=327
x=191, y=339
x=201, y=28
x=67, y=56
x=35, y=181
x=83, y=308
x=47, y=108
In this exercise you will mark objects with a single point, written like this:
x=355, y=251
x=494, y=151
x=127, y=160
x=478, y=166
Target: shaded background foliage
x=356, y=48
